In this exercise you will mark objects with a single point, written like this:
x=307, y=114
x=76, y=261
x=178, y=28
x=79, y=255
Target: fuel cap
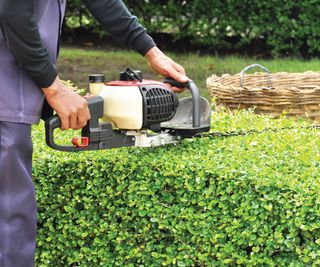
x=97, y=78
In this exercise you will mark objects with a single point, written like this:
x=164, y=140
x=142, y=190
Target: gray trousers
x=18, y=208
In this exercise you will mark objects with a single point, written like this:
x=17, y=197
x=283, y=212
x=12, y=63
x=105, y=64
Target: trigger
x=80, y=141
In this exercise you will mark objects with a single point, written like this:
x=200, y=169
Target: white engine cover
x=123, y=105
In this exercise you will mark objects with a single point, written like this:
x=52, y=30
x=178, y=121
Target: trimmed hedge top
x=247, y=200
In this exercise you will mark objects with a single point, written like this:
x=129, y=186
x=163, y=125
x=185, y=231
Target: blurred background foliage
x=266, y=28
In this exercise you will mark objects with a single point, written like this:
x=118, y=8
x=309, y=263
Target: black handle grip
x=175, y=83
x=95, y=105
x=51, y=124
x=195, y=98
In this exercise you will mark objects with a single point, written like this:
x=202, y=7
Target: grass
x=76, y=64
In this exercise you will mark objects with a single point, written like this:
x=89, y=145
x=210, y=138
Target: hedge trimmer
x=124, y=112
x=213, y=135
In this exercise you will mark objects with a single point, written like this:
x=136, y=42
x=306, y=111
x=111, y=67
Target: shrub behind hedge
x=280, y=27
x=247, y=201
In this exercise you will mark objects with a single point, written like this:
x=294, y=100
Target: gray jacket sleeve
x=116, y=19
x=19, y=26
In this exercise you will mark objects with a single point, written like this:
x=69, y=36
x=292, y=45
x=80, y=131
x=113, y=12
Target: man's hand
x=164, y=65
x=71, y=108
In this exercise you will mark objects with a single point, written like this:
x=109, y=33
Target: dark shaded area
x=82, y=37
x=261, y=29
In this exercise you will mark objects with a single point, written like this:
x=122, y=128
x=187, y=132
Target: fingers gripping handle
x=95, y=105
x=195, y=98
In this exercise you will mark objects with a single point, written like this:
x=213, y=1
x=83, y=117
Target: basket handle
x=253, y=66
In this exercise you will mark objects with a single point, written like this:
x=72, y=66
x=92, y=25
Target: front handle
x=195, y=98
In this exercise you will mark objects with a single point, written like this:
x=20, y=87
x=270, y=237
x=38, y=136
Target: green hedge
x=248, y=200
x=279, y=27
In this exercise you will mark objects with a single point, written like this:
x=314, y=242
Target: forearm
x=19, y=26
x=120, y=24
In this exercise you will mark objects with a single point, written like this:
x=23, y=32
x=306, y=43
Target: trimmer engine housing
x=135, y=105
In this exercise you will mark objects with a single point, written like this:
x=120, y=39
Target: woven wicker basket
x=296, y=94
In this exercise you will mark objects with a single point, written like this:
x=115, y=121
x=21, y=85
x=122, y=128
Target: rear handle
x=95, y=105
x=51, y=125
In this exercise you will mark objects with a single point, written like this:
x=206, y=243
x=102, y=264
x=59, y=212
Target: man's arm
x=19, y=26
x=115, y=18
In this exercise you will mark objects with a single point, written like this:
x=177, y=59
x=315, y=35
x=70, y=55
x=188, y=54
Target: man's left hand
x=164, y=65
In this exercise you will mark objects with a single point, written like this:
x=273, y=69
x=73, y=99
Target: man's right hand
x=71, y=108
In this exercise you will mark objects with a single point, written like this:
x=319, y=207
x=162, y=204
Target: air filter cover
x=159, y=104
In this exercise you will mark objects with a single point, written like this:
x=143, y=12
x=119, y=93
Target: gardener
x=29, y=43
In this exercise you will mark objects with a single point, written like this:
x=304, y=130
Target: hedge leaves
x=248, y=200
